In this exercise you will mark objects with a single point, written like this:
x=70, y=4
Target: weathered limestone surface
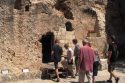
x=21, y=30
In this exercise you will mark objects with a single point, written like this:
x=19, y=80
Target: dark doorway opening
x=27, y=7
x=47, y=41
x=69, y=26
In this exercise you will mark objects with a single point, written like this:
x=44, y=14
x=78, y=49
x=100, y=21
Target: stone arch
x=96, y=31
x=89, y=11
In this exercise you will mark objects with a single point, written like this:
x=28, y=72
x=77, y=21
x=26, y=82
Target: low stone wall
x=24, y=76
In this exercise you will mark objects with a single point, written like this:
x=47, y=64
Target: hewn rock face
x=115, y=16
x=19, y=47
x=29, y=28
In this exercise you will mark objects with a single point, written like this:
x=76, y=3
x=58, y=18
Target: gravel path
x=101, y=78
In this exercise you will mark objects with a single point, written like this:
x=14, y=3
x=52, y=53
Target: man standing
x=56, y=54
x=76, y=54
x=112, y=56
x=87, y=56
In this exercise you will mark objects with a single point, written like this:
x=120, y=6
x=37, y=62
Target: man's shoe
x=117, y=79
x=73, y=76
x=58, y=80
x=76, y=74
x=109, y=81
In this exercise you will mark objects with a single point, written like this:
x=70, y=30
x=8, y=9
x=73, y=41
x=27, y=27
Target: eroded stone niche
x=63, y=6
x=20, y=4
x=69, y=26
x=94, y=30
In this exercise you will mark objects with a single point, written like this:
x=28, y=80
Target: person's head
x=85, y=42
x=74, y=41
x=56, y=41
x=66, y=46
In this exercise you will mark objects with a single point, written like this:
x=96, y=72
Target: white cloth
x=70, y=54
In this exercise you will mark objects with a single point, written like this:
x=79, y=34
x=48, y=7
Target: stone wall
x=23, y=27
x=19, y=43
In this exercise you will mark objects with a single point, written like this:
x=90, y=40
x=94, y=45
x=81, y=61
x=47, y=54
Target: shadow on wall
x=62, y=6
x=18, y=4
x=115, y=23
x=47, y=41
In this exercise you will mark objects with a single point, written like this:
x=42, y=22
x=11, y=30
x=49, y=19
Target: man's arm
x=52, y=52
x=80, y=56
